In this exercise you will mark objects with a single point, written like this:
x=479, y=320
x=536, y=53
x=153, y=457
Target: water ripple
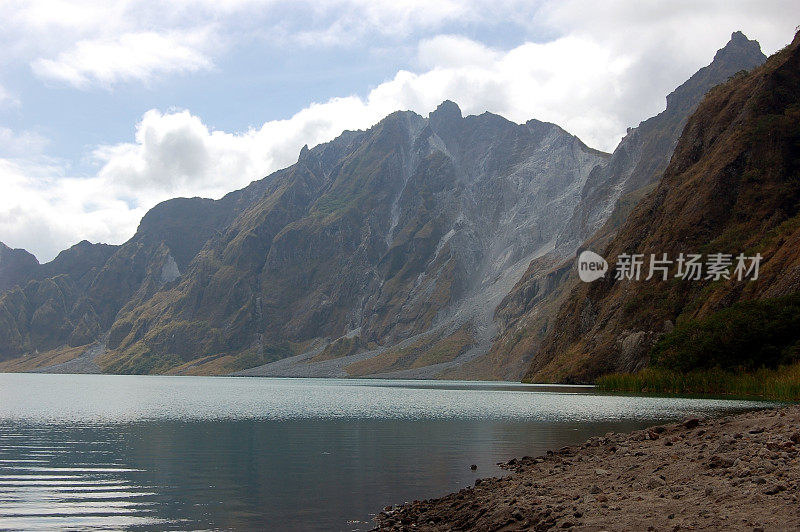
x=46, y=493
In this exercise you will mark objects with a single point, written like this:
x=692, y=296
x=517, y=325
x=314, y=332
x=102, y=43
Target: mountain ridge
x=394, y=200
x=731, y=187
x=411, y=249
x=528, y=313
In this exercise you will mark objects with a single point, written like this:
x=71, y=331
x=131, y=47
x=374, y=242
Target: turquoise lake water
x=162, y=453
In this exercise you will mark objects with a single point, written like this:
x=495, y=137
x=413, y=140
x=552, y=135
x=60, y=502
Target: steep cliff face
x=643, y=154
x=384, y=234
x=731, y=187
x=410, y=231
x=611, y=191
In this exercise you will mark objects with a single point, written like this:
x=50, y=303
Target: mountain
x=381, y=235
x=731, y=187
x=527, y=314
x=384, y=252
x=73, y=300
x=400, y=233
x=15, y=266
x=643, y=154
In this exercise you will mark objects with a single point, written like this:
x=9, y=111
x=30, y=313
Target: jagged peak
x=738, y=44
x=303, y=153
x=446, y=111
x=8, y=249
x=740, y=53
x=738, y=36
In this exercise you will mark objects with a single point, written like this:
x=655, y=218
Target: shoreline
x=738, y=472
x=777, y=384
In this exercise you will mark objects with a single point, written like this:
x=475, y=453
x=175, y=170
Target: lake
x=162, y=453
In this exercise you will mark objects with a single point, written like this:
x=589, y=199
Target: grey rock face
x=608, y=195
x=417, y=226
x=641, y=157
x=500, y=194
x=169, y=271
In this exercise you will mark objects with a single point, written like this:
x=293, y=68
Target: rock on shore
x=740, y=472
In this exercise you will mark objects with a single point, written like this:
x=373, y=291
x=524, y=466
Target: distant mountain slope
x=527, y=314
x=643, y=154
x=383, y=252
x=731, y=187
x=384, y=234
x=403, y=231
x=73, y=300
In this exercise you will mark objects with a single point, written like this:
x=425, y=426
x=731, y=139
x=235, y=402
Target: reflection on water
x=186, y=453
x=58, y=478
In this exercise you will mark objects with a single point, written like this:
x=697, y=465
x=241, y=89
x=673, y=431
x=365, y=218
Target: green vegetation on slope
x=746, y=336
x=749, y=349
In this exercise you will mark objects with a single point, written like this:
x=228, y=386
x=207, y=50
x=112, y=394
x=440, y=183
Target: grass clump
x=780, y=384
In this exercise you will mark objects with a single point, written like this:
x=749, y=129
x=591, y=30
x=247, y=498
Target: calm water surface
x=160, y=453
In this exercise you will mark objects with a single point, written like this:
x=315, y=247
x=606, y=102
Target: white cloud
x=346, y=22
x=454, y=51
x=44, y=212
x=7, y=99
x=570, y=81
x=128, y=57
x=687, y=27
x=25, y=144
x=45, y=28
x=666, y=42
x=607, y=67
x=175, y=153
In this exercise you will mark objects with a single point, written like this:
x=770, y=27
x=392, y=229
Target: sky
x=109, y=107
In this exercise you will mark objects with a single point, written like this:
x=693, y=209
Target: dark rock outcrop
x=16, y=267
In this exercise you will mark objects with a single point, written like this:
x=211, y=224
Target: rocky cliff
x=382, y=235
x=731, y=187
x=527, y=315
x=399, y=233
x=383, y=252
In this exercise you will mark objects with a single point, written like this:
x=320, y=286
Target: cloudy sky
x=108, y=107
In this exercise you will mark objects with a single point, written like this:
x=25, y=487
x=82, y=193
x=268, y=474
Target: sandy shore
x=735, y=473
